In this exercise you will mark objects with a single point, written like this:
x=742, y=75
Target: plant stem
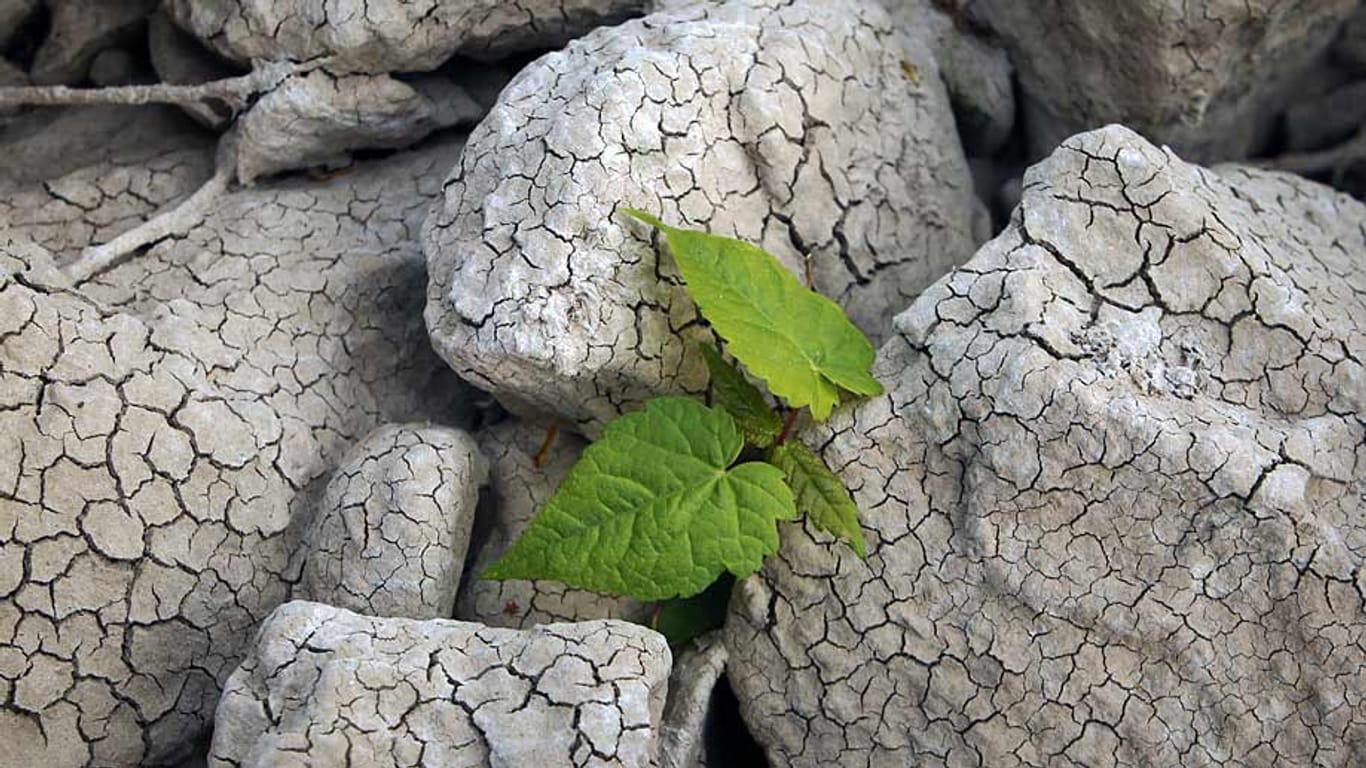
x=550, y=434
x=788, y=423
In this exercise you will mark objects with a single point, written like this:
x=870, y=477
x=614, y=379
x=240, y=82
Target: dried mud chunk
x=394, y=525
x=792, y=125
x=324, y=686
x=390, y=35
x=318, y=118
x=1114, y=496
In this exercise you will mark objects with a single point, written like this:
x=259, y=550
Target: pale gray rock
x=697, y=670
x=1114, y=496
x=1208, y=78
x=13, y=15
x=518, y=489
x=323, y=686
x=164, y=434
x=390, y=35
x=317, y=118
x=977, y=73
x=792, y=125
x=391, y=534
x=81, y=29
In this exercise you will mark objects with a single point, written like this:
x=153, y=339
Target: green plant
x=674, y=496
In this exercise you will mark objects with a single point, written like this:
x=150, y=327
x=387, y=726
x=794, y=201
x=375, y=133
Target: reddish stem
x=788, y=423
x=550, y=434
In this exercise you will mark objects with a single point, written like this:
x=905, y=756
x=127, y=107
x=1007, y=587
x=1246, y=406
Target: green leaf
x=742, y=400
x=798, y=341
x=651, y=510
x=821, y=496
x=683, y=619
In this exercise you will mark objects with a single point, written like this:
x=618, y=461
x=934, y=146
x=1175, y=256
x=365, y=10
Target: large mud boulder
x=811, y=128
x=1114, y=497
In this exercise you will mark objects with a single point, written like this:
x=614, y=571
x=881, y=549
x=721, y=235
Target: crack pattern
x=390, y=536
x=1114, y=498
x=379, y=36
x=790, y=125
x=165, y=433
x=324, y=686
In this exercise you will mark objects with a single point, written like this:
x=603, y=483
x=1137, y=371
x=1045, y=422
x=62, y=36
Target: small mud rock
x=686, y=713
x=1208, y=78
x=317, y=118
x=1114, y=497
x=792, y=125
x=978, y=73
x=391, y=534
x=80, y=29
x=324, y=686
x=390, y=35
x=164, y=434
x=518, y=489
x=13, y=14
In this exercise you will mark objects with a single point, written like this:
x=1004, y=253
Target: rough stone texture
x=317, y=118
x=791, y=125
x=13, y=14
x=80, y=29
x=977, y=73
x=696, y=671
x=390, y=536
x=1207, y=78
x=87, y=174
x=159, y=450
x=1114, y=499
x=324, y=686
x=518, y=489
x=390, y=35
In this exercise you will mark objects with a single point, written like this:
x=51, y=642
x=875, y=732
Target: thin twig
x=236, y=91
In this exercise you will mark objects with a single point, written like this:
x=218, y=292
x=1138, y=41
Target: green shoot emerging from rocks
x=661, y=505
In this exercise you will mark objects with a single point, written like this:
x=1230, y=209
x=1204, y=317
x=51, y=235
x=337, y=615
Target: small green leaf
x=654, y=510
x=742, y=400
x=684, y=618
x=821, y=496
x=798, y=341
